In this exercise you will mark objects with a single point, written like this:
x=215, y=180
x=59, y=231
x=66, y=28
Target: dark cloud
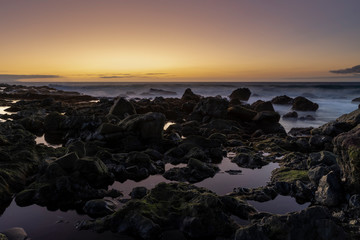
x=14, y=77
x=353, y=70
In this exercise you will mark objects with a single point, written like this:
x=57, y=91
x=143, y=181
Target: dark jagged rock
x=195, y=171
x=342, y=124
x=196, y=212
x=139, y=192
x=148, y=127
x=99, y=207
x=347, y=146
x=190, y=96
x=242, y=94
x=249, y=160
x=282, y=100
x=267, y=117
x=304, y=104
x=241, y=113
x=313, y=222
x=122, y=108
x=212, y=107
x=260, y=106
x=329, y=192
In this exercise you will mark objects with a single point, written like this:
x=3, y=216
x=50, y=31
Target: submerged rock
x=291, y=115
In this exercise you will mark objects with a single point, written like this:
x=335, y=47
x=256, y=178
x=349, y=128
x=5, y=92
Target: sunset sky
x=177, y=40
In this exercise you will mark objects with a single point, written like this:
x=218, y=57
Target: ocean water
x=334, y=98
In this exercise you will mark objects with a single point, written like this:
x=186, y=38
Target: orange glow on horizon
x=184, y=40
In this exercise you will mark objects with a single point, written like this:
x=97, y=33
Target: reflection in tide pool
x=280, y=205
x=42, y=224
x=41, y=140
x=222, y=183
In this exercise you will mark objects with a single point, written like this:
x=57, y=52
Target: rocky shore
x=104, y=140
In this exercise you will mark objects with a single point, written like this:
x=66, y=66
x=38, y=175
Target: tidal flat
x=77, y=166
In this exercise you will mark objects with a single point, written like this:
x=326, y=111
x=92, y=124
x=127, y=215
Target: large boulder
x=311, y=223
x=260, y=106
x=241, y=113
x=304, y=104
x=148, y=127
x=99, y=207
x=242, y=94
x=197, y=212
x=211, y=106
x=54, y=121
x=190, y=96
x=342, y=124
x=267, y=117
x=329, y=192
x=122, y=108
x=347, y=146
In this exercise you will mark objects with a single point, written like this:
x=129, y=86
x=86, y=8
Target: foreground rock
x=196, y=212
x=312, y=223
x=347, y=146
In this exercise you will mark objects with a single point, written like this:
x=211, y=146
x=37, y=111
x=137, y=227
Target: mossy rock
x=197, y=212
x=289, y=175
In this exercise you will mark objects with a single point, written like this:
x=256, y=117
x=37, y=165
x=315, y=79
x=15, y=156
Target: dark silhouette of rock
x=304, y=104
x=190, y=96
x=282, y=100
x=122, y=108
x=242, y=94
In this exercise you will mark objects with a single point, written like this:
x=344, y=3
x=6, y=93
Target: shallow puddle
x=41, y=140
x=280, y=205
x=42, y=224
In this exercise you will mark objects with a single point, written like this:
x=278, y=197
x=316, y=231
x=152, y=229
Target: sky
x=177, y=40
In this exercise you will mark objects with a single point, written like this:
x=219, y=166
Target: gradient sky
x=180, y=40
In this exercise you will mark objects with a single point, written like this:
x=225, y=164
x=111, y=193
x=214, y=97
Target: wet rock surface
x=107, y=140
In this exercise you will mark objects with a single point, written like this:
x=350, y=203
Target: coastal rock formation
x=282, y=100
x=304, y=104
x=347, y=146
x=241, y=94
x=211, y=107
x=196, y=212
x=260, y=106
x=311, y=222
x=122, y=108
x=190, y=96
